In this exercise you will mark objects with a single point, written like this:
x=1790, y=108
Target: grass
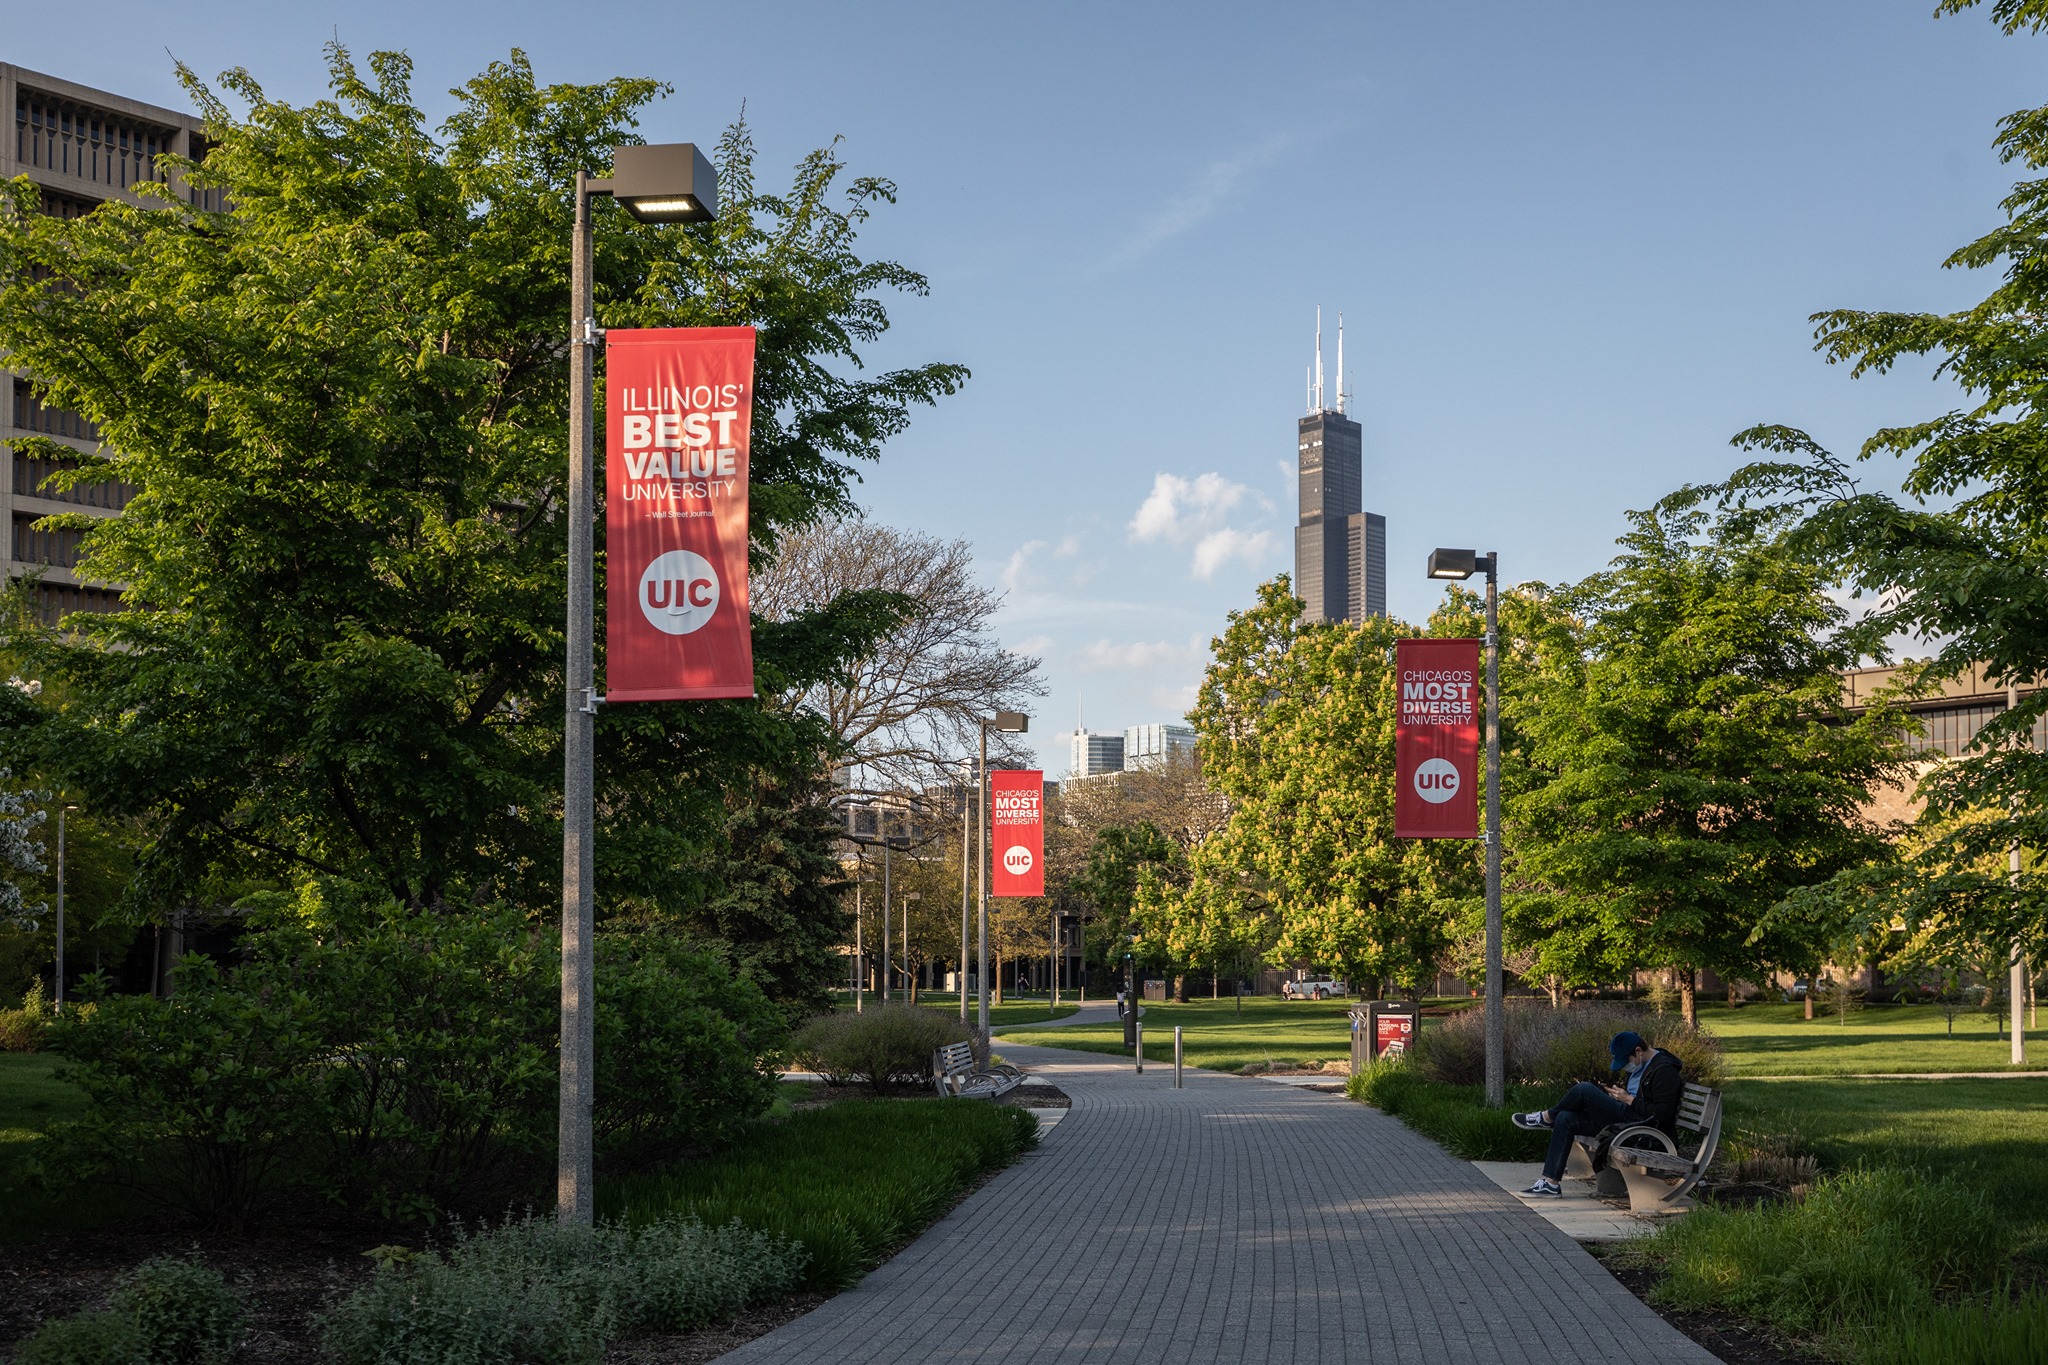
x=1011, y=1013
x=851, y=1181
x=31, y=1099
x=1777, y=1040
x=1990, y=1134
x=1304, y=1033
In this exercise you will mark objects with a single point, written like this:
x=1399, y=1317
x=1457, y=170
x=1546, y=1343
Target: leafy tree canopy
x=341, y=402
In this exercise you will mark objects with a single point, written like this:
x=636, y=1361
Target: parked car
x=1315, y=988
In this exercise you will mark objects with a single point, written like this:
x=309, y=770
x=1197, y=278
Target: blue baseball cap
x=1623, y=1046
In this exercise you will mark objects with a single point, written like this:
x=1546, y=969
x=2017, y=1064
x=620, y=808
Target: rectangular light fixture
x=1012, y=722
x=667, y=183
x=1453, y=563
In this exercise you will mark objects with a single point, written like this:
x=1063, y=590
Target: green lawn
x=1215, y=1035
x=1988, y=1133
x=31, y=1099
x=1776, y=1040
x=1012, y=1012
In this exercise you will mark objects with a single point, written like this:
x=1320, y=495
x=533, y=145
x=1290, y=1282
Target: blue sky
x=1576, y=246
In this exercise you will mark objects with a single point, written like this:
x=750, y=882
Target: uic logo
x=1016, y=860
x=1436, y=780
x=679, y=592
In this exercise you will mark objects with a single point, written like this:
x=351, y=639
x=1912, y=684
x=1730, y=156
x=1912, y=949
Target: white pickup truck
x=1315, y=988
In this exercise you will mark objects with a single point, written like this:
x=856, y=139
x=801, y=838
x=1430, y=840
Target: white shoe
x=1533, y=1119
x=1543, y=1189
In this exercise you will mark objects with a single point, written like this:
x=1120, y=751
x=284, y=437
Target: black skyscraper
x=1340, y=550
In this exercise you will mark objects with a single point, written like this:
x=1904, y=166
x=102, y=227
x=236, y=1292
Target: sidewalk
x=1230, y=1222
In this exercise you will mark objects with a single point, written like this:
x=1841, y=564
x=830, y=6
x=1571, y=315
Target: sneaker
x=1543, y=1189
x=1533, y=1119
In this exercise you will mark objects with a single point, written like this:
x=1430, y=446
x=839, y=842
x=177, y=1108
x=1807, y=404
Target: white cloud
x=1218, y=548
x=1195, y=511
x=1015, y=573
x=1213, y=187
x=1130, y=656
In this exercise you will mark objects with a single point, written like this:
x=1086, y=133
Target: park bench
x=954, y=1073
x=1656, y=1175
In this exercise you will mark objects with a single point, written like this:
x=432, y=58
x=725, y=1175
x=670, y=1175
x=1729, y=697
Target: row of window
x=58, y=549
x=1951, y=730
x=55, y=601
x=29, y=475
x=32, y=414
x=53, y=134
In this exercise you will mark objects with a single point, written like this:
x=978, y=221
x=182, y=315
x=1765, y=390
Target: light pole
x=1462, y=564
x=1009, y=723
x=966, y=851
x=909, y=978
x=61, y=810
x=664, y=184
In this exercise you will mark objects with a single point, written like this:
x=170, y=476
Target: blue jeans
x=1585, y=1108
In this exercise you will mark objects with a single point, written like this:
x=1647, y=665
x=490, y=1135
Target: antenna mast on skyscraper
x=1318, y=406
x=1341, y=395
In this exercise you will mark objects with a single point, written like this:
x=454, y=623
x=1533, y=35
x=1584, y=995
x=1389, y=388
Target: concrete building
x=1340, y=550
x=1094, y=753
x=1154, y=744
x=81, y=147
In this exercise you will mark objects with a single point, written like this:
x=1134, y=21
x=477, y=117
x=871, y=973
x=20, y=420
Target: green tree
x=1960, y=559
x=1296, y=725
x=1696, y=763
x=342, y=404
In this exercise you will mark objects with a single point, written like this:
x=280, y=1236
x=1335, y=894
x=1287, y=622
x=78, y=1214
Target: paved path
x=1230, y=1222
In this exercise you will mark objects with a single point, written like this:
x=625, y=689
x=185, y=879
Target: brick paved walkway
x=1230, y=1222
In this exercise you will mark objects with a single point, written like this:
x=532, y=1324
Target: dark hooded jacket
x=1658, y=1092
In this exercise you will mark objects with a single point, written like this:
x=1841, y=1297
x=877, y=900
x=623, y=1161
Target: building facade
x=1340, y=549
x=1155, y=745
x=81, y=147
x=1094, y=753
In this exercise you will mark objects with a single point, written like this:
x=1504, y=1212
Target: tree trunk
x=1556, y=993
x=1689, y=997
x=1180, y=988
x=1809, y=1000
x=1215, y=986
x=996, y=979
x=1732, y=1001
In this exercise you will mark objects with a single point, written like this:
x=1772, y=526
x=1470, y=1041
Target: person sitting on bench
x=1656, y=1083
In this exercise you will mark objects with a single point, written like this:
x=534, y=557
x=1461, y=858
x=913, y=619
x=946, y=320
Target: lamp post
x=966, y=847
x=909, y=977
x=1009, y=723
x=664, y=184
x=61, y=811
x=1462, y=564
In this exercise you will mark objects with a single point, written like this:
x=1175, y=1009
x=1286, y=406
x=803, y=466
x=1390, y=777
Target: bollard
x=1176, y=1056
x=1141, y=1047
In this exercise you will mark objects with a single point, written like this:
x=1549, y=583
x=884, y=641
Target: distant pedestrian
x=1655, y=1085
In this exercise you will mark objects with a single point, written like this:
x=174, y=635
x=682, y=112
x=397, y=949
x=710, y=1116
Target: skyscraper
x=1340, y=549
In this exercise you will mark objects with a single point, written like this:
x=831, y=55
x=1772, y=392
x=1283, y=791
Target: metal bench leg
x=1649, y=1192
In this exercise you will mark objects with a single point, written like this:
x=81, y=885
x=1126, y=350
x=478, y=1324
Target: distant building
x=1153, y=745
x=1340, y=550
x=1094, y=754
x=81, y=147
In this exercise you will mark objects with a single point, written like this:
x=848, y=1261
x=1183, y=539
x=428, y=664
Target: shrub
x=1862, y=1246
x=1455, y=1116
x=850, y=1181
x=197, y=1100
x=536, y=1291
x=887, y=1046
x=102, y=1338
x=404, y=1062
x=681, y=1047
x=184, y=1311
x=25, y=1028
x=1554, y=1046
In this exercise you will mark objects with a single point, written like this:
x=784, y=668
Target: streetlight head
x=1012, y=722
x=913, y=895
x=667, y=183
x=1453, y=563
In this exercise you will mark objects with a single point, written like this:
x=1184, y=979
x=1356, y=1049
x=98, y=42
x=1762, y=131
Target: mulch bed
x=284, y=1278
x=1727, y=1337
x=1038, y=1095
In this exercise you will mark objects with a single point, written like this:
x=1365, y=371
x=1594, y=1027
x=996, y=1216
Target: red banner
x=1436, y=741
x=679, y=405
x=1017, y=836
